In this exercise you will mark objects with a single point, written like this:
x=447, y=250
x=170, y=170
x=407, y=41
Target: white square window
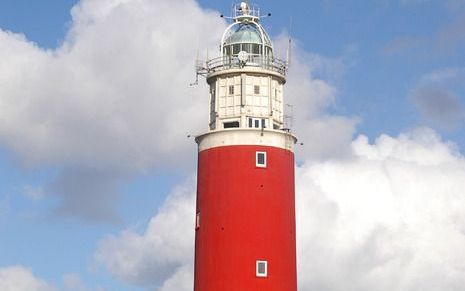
x=260, y=159
x=257, y=122
x=262, y=269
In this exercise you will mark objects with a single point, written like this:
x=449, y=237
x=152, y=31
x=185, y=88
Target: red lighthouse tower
x=245, y=223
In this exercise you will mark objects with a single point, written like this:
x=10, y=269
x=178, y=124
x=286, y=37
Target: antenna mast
x=288, y=57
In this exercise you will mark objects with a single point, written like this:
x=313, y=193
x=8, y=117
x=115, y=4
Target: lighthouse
x=245, y=209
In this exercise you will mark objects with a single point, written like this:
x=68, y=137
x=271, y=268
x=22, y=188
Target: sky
x=97, y=160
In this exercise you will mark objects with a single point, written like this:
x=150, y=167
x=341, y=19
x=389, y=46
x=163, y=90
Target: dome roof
x=246, y=33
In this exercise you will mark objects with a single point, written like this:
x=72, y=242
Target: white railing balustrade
x=233, y=62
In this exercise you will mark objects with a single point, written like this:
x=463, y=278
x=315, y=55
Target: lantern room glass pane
x=236, y=49
x=256, y=49
x=227, y=50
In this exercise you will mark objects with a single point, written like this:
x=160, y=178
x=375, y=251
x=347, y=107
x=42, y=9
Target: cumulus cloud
x=115, y=94
x=161, y=258
x=308, y=98
x=389, y=217
x=19, y=278
x=113, y=99
x=73, y=282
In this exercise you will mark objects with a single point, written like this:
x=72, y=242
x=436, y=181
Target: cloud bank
x=107, y=95
x=389, y=217
x=19, y=278
x=162, y=257
x=112, y=101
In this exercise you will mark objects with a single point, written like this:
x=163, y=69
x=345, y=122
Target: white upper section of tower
x=246, y=81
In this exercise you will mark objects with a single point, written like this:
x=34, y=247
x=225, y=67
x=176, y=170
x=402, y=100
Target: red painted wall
x=246, y=214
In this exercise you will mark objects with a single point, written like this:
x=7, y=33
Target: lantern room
x=246, y=34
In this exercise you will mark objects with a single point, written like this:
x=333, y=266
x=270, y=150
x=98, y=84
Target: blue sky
x=89, y=150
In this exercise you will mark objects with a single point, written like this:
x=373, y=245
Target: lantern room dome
x=247, y=33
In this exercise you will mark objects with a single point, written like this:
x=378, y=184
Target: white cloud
x=114, y=99
x=111, y=102
x=310, y=97
x=73, y=282
x=389, y=217
x=115, y=94
x=162, y=256
x=444, y=76
x=19, y=278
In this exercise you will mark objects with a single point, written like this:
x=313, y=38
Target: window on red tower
x=260, y=159
x=262, y=269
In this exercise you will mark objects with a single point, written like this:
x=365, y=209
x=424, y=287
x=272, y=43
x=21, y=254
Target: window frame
x=231, y=124
x=236, y=48
x=257, y=273
x=259, y=123
x=257, y=164
x=227, y=50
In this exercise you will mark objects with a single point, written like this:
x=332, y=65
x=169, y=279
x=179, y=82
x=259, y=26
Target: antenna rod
x=289, y=43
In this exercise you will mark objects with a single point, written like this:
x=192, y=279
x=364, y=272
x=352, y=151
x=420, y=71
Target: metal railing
x=251, y=10
x=233, y=62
